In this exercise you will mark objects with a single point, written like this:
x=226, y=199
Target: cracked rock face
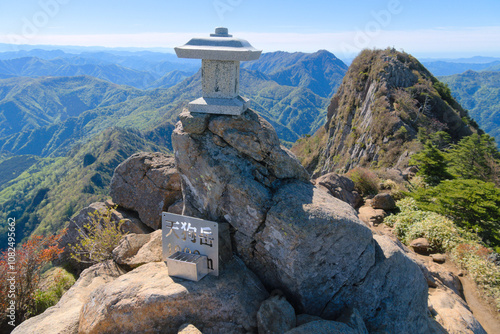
x=229, y=171
x=294, y=236
x=148, y=300
x=147, y=183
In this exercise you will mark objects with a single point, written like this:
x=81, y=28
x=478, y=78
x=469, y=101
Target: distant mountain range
x=49, y=124
x=479, y=92
x=448, y=68
x=144, y=70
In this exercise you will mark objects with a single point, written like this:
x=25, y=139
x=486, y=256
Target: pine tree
x=475, y=157
x=432, y=164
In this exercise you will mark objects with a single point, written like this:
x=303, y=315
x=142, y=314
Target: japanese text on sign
x=191, y=235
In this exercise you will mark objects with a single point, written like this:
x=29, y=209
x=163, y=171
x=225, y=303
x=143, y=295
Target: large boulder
x=296, y=237
x=135, y=250
x=224, y=304
x=340, y=187
x=147, y=183
x=453, y=314
x=392, y=295
x=63, y=318
x=275, y=315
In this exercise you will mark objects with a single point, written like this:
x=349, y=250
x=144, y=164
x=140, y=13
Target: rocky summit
x=295, y=256
x=294, y=236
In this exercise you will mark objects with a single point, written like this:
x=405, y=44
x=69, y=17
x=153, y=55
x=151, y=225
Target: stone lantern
x=220, y=56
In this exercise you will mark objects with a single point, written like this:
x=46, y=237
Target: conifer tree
x=475, y=157
x=432, y=164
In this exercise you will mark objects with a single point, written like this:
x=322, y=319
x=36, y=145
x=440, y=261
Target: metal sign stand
x=190, y=246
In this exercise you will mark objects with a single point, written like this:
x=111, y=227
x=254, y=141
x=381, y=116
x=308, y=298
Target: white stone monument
x=220, y=71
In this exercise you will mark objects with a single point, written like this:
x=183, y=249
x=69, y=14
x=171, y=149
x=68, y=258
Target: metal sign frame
x=191, y=235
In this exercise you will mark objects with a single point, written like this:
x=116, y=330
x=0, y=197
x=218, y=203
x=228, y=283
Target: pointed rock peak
x=386, y=99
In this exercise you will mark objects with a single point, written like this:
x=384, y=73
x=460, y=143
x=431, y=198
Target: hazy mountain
x=123, y=74
x=479, y=92
x=321, y=71
x=32, y=103
x=493, y=68
x=448, y=68
x=385, y=100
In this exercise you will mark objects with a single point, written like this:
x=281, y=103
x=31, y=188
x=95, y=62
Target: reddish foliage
x=478, y=250
x=25, y=271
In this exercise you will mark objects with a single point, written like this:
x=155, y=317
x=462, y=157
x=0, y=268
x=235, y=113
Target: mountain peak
x=386, y=98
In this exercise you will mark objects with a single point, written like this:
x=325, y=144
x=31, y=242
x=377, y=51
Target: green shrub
x=97, y=239
x=412, y=223
x=58, y=282
x=444, y=236
x=365, y=181
x=472, y=256
x=472, y=204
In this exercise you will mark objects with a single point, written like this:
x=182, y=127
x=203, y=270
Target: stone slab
x=207, y=105
x=219, y=46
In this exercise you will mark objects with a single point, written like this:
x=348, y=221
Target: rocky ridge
x=386, y=98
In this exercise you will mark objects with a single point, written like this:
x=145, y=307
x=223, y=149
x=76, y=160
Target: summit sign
x=191, y=235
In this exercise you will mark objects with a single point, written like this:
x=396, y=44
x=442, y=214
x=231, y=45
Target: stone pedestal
x=221, y=55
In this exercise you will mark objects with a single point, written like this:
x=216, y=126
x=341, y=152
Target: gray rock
x=409, y=172
x=386, y=299
x=147, y=183
x=353, y=319
x=194, y=123
x=431, y=281
x=130, y=221
x=63, y=318
x=137, y=249
x=446, y=278
x=323, y=327
x=438, y=258
x=340, y=187
x=371, y=216
x=238, y=190
x=224, y=304
x=293, y=235
x=275, y=315
x=251, y=135
x=315, y=245
x=421, y=246
x=305, y=318
x=384, y=202
x=453, y=314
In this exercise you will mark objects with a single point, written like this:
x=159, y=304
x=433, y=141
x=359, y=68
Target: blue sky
x=424, y=28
